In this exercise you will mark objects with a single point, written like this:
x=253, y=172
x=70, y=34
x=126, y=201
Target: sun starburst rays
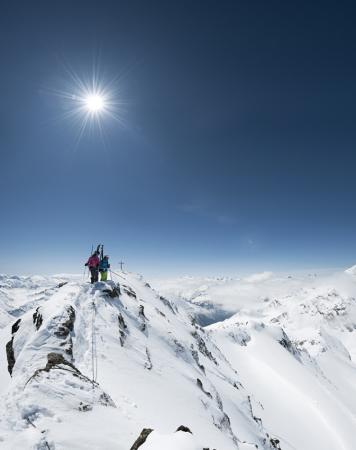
x=89, y=102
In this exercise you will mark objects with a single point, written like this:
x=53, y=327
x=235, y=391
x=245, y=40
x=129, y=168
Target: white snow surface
x=152, y=368
x=279, y=373
x=351, y=271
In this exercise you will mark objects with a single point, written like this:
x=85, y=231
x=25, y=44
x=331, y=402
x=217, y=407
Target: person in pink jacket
x=93, y=265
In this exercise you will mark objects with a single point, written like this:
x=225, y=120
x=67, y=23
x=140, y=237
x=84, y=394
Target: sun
x=94, y=103
x=91, y=102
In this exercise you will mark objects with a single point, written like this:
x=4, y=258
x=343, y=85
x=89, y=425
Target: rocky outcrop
x=123, y=329
x=142, y=318
x=15, y=327
x=203, y=348
x=10, y=354
x=201, y=387
x=275, y=443
x=57, y=362
x=289, y=346
x=54, y=360
x=115, y=292
x=195, y=356
x=142, y=438
x=184, y=428
x=67, y=325
x=37, y=318
x=129, y=291
x=65, y=328
x=148, y=363
x=167, y=303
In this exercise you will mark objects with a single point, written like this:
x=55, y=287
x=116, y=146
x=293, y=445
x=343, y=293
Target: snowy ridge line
x=231, y=383
x=147, y=348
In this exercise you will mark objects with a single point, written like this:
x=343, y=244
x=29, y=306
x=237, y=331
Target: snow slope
x=297, y=355
x=91, y=369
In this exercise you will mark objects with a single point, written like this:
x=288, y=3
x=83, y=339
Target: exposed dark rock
x=288, y=345
x=10, y=355
x=10, y=347
x=275, y=443
x=143, y=318
x=142, y=438
x=196, y=359
x=64, y=330
x=224, y=423
x=85, y=408
x=106, y=400
x=54, y=359
x=160, y=312
x=141, y=311
x=15, y=327
x=203, y=348
x=67, y=326
x=179, y=348
x=184, y=428
x=123, y=329
x=129, y=291
x=219, y=402
x=258, y=420
x=148, y=363
x=63, y=283
x=241, y=337
x=122, y=323
x=114, y=292
x=37, y=318
x=201, y=387
x=167, y=303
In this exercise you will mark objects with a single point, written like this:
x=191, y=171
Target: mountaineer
x=103, y=268
x=93, y=265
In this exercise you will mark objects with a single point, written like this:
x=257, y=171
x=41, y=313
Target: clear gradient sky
x=237, y=152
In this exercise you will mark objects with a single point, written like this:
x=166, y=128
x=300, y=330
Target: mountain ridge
x=92, y=366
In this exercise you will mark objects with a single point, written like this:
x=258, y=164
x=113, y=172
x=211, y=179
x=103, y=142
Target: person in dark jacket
x=93, y=265
x=103, y=268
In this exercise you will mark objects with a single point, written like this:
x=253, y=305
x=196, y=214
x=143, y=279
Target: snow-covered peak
x=95, y=367
x=351, y=270
x=126, y=358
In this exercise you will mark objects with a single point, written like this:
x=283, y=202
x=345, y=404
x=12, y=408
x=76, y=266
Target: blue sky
x=237, y=151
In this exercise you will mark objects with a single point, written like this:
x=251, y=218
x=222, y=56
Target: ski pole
x=85, y=268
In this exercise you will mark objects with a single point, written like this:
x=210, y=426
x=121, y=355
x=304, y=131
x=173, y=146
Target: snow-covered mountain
x=91, y=367
x=100, y=367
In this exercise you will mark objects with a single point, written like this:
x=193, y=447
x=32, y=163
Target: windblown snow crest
x=93, y=366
